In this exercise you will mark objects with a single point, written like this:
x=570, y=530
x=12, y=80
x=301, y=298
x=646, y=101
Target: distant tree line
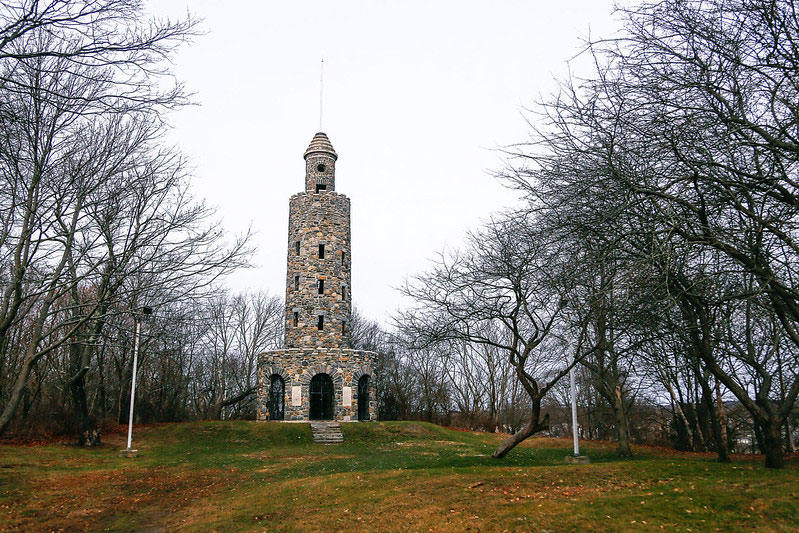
x=658, y=247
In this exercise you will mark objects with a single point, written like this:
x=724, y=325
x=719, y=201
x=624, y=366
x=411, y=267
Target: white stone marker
x=296, y=396
x=346, y=396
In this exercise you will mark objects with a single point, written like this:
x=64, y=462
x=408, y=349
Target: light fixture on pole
x=144, y=312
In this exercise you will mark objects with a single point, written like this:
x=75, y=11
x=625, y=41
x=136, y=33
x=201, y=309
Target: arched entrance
x=363, y=398
x=321, y=397
x=277, y=390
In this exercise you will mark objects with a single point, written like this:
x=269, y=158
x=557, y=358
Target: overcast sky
x=418, y=95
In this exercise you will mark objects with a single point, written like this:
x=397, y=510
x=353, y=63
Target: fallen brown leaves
x=90, y=500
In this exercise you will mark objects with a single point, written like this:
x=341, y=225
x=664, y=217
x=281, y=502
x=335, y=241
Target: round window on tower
x=320, y=167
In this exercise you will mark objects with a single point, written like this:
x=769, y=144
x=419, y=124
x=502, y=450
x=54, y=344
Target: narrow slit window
x=320, y=324
x=321, y=286
x=343, y=257
x=297, y=248
x=296, y=283
x=320, y=187
x=343, y=326
x=344, y=292
x=296, y=319
x=321, y=251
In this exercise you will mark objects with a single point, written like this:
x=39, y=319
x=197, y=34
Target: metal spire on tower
x=321, y=87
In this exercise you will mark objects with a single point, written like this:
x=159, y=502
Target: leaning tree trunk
x=531, y=428
x=215, y=410
x=16, y=394
x=32, y=356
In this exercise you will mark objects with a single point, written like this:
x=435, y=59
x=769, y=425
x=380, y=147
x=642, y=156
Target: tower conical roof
x=320, y=144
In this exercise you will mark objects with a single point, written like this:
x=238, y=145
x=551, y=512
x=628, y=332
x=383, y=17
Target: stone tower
x=317, y=375
x=318, y=303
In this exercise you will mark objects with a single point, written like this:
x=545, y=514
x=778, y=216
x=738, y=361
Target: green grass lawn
x=386, y=476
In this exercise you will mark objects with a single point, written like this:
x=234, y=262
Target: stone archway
x=320, y=396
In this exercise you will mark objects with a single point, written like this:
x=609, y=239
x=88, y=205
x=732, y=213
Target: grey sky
x=417, y=96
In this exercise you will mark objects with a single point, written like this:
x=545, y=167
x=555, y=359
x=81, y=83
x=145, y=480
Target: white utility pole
x=574, y=410
x=576, y=458
x=133, y=379
x=128, y=452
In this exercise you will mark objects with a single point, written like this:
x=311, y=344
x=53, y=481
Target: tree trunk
x=722, y=417
x=622, y=426
x=680, y=413
x=715, y=425
x=789, y=435
x=88, y=434
x=759, y=439
x=215, y=410
x=17, y=392
x=532, y=427
x=30, y=360
x=772, y=442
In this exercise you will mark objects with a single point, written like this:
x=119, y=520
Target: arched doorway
x=363, y=398
x=277, y=389
x=321, y=397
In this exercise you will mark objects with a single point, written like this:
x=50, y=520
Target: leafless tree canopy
x=663, y=193
x=97, y=217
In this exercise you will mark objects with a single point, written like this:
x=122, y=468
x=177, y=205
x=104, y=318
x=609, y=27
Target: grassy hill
x=386, y=476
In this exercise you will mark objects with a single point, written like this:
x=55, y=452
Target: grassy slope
x=388, y=476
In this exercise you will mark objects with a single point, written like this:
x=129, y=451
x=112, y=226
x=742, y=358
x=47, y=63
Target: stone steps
x=327, y=432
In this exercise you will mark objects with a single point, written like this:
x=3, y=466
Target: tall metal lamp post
x=137, y=318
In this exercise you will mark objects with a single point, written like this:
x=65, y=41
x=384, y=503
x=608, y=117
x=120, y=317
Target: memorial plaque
x=346, y=396
x=296, y=396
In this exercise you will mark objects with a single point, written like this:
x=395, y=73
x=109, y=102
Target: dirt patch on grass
x=296, y=457
x=94, y=500
x=412, y=429
x=424, y=444
x=278, y=463
x=402, y=500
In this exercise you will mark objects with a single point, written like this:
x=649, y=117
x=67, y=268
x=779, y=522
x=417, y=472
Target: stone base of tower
x=304, y=375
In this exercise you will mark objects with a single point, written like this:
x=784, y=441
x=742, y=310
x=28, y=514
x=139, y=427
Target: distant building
x=317, y=376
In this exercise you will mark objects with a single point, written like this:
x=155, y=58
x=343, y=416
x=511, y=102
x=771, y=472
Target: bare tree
x=238, y=328
x=97, y=217
x=508, y=280
x=681, y=150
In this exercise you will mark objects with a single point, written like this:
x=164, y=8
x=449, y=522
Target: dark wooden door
x=321, y=397
x=363, y=398
x=277, y=391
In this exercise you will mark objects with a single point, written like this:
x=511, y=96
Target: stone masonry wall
x=320, y=169
x=298, y=366
x=318, y=219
